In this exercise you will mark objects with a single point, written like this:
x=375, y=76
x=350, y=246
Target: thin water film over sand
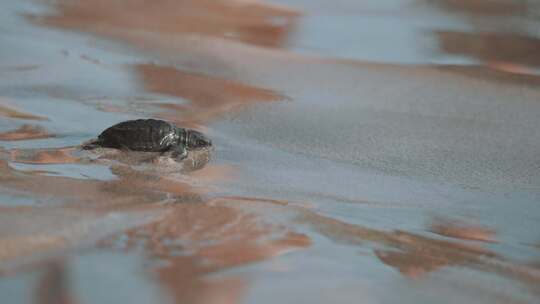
x=372, y=151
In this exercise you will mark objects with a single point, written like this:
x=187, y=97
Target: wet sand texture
x=333, y=178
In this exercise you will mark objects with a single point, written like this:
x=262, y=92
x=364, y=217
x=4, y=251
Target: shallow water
x=351, y=161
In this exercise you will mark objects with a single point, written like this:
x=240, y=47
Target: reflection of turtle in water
x=150, y=135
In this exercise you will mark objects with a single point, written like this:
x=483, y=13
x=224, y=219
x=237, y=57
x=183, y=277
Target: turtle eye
x=204, y=143
x=198, y=140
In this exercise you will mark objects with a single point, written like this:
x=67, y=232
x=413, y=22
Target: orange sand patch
x=7, y=111
x=464, y=231
x=209, y=96
x=25, y=132
x=415, y=255
x=198, y=239
x=485, y=7
x=492, y=47
x=53, y=156
x=246, y=21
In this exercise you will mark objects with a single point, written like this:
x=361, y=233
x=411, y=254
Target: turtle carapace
x=151, y=135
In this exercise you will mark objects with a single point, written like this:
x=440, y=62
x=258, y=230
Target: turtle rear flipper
x=92, y=144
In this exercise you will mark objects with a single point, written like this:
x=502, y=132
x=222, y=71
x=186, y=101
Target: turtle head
x=197, y=140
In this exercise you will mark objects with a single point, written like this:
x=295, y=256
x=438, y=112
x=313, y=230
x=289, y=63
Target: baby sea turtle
x=151, y=135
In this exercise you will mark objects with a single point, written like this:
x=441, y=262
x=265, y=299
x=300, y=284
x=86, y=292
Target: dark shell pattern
x=148, y=135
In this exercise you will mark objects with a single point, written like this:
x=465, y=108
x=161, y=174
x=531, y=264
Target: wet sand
x=341, y=171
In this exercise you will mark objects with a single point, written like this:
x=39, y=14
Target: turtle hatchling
x=151, y=135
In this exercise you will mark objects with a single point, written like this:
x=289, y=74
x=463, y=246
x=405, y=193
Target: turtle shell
x=149, y=135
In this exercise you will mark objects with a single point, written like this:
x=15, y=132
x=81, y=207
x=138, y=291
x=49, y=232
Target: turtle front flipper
x=178, y=152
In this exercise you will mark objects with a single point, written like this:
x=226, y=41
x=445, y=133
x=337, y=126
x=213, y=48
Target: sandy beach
x=364, y=151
